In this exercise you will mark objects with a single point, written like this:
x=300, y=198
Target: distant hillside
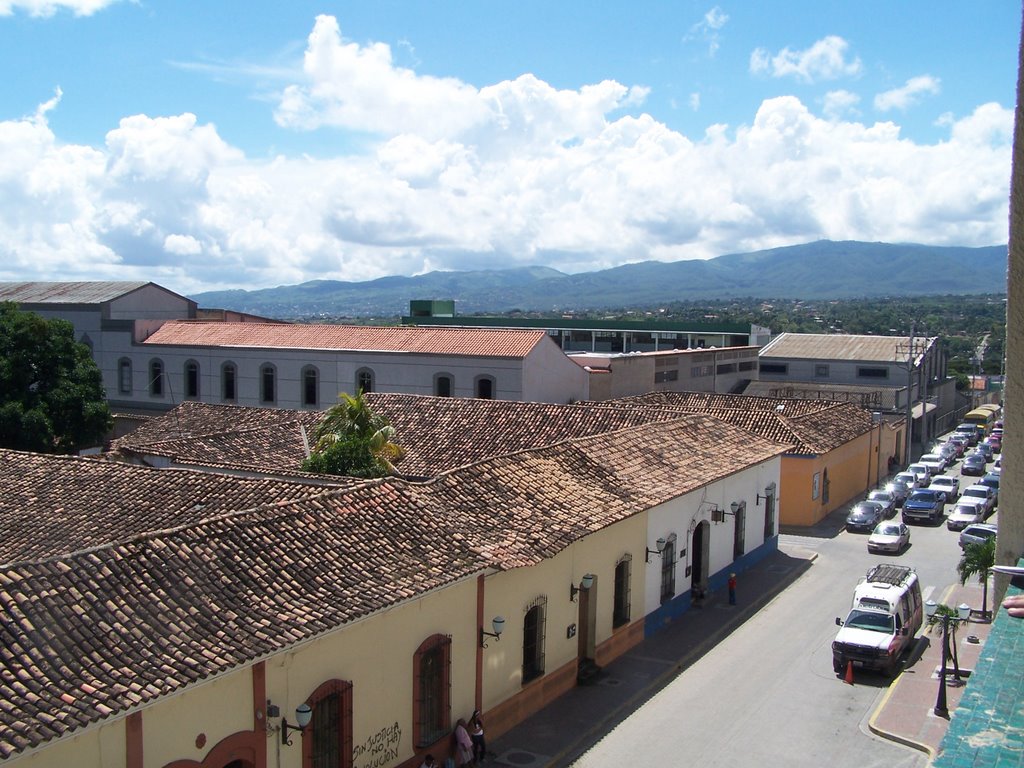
x=821, y=270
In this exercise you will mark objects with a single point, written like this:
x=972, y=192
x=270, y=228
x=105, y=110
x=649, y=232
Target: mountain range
x=820, y=270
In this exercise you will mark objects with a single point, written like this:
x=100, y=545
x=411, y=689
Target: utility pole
x=910, y=396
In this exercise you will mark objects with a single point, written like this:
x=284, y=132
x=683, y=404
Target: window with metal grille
x=124, y=376
x=432, y=690
x=310, y=386
x=739, y=533
x=268, y=382
x=620, y=607
x=327, y=740
x=485, y=388
x=364, y=380
x=769, y=516
x=192, y=380
x=533, y=639
x=443, y=385
x=668, y=570
x=156, y=377
x=227, y=381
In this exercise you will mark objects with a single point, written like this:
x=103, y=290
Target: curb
x=684, y=662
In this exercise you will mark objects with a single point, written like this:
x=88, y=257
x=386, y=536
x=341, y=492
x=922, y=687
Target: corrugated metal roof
x=92, y=292
x=825, y=346
x=437, y=341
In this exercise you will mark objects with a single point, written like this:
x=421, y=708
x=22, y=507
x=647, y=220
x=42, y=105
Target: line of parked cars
x=923, y=491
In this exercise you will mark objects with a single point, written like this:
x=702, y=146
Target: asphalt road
x=767, y=695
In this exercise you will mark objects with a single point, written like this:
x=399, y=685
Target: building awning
x=915, y=412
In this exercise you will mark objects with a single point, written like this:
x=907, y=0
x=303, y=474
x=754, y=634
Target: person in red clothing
x=732, y=589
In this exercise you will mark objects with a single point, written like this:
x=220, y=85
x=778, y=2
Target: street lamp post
x=963, y=615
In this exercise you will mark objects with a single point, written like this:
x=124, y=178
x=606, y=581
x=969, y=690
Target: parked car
x=997, y=466
x=991, y=479
x=958, y=443
x=922, y=472
x=977, y=533
x=889, y=536
x=984, y=495
x=993, y=442
x=900, y=489
x=974, y=464
x=864, y=516
x=907, y=479
x=949, y=485
x=970, y=431
x=985, y=449
x=963, y=514
x=887, y=499
x=935, y=462
x=924, y=505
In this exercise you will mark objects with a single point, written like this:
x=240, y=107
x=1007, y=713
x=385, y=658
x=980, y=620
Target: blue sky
x=228, y=144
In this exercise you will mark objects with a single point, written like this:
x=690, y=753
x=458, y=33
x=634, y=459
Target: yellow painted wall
x=101, y=747
x=853, y=469
x=510, y=594
x=218, y=709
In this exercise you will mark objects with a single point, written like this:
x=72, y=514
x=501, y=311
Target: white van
x=887, y=612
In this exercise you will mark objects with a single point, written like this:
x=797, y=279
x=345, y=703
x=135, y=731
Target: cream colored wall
x=511, y=593
x=102, y=747
x=218, y=709
x=376, y=656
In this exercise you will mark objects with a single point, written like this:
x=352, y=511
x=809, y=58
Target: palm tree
x=978, y=558
x=352, y=423
x=950, y=640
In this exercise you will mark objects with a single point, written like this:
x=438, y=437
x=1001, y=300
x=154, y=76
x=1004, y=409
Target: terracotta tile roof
x=340, y=338
x=809, y=426
x=94, y=292
x=173, y=598
x=97, y=502
x=438, y=433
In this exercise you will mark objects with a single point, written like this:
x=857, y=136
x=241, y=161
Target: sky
x=253, y=144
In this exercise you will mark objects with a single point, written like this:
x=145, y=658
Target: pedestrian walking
x=732, y=589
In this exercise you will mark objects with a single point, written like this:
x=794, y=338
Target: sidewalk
x=561, y=732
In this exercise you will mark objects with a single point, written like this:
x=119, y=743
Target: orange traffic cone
x=849, y=672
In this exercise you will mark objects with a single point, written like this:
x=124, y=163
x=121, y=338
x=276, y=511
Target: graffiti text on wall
x=379, y=749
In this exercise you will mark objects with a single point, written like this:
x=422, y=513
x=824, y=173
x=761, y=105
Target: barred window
x=124, y=376
x=668, y=570
x=364, y=381
x=310, y=386
x=327, y=741
x=620, y=608
x=533, y=639
x=432, y=690
x=192, y=380
x=156, y=378
x=739, y=534
x=227, y=381
x=268, y=383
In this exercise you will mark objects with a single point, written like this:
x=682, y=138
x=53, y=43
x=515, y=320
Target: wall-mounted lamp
x=586, y=583
x=303, y=714
x=498, y=623
x=769, y=491
x=734, y=507
x=660, y=544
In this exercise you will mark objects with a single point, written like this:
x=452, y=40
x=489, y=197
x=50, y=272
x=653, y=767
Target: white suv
x=984, y=497
x=949, y=485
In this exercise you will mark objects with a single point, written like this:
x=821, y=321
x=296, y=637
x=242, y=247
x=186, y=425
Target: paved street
x=764, y=692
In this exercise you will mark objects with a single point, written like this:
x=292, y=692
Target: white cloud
x=707, y=29
x=909, y=94
x=839, y=104
x=524, y=174
x=827, y=59
x=46, y=8
x=695, y=101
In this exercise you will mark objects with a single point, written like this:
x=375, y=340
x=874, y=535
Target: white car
x=935, y=462
x=963, y=514
x=949, y=485
x=922, y=473
x=977, y=533
x=983, y=495
x=889, y=536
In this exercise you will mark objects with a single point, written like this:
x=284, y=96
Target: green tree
x=978, y=559
x=353, y=440
x=51, y=392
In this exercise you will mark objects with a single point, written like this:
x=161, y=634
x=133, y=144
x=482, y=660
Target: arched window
x=156, y=378
x=192, y=380
x=268, y=383
x=327, y=740
x=364, y=380
x=310, y=386
x=534, y=623
x=124, y=376
x=228, y=383
x=443, y=385
x=739, y=534
x=431, y=686
x=484, y=387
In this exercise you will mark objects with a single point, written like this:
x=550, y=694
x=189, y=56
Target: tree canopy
x=353, y=440
x=51, y=392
